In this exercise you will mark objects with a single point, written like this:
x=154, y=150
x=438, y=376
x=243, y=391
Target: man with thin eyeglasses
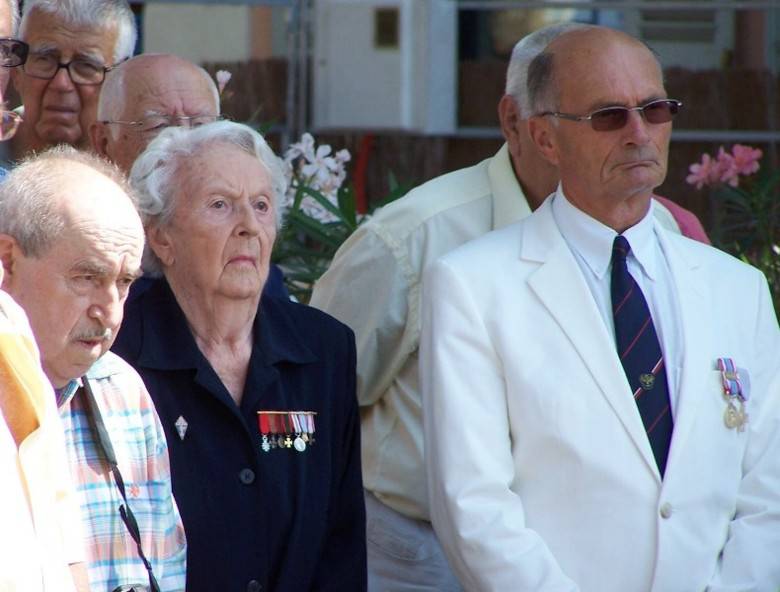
x=387, y=256
x=143, y=96
x=73, y=43
x=602, y=396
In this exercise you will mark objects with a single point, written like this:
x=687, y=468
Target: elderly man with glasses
x=602, y=396
x=13, y=52
x=73, y=43
x=142, y=97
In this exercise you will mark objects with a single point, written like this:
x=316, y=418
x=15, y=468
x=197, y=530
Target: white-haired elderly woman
x=256, y=394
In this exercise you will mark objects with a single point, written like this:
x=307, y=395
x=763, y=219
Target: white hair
x=154, y=175
x=523, y=53
x=91, y=13
x=29, y=209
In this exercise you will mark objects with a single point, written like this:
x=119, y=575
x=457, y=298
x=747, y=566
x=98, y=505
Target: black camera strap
x=98, y=427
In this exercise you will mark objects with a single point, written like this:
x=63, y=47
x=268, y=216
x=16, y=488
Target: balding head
x=71, y=243
x=155, y=89
x=578, y=53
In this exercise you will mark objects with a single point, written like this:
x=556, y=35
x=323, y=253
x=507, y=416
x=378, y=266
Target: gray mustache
x=96, y=335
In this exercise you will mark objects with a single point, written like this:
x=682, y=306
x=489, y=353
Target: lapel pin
x=181, y=427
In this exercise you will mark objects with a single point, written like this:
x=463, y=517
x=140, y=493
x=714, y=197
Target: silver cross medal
x=181, y=427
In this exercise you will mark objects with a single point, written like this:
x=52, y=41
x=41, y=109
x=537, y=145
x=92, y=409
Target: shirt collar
x=104, y=366
x=275, y=333
x=593, y=240
x=509, y=202
x=65, y=394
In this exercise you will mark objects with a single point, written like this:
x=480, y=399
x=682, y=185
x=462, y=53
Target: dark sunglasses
x=610, y=119
x=13, y=52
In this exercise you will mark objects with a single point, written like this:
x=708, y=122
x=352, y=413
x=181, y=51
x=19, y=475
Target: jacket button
x=247, y=477
x=666, y=510
x=253, y=585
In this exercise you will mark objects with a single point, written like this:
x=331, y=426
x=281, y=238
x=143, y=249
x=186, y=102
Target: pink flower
x=746, y=159
x=701, y=173
x=223, y=77
x=725, y=170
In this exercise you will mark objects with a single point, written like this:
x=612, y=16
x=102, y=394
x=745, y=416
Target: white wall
x=198, y=32
x=359, y=85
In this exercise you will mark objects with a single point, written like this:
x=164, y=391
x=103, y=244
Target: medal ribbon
x=730, y=378
x=263, y=423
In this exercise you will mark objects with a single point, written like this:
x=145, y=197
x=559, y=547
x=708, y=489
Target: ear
x=98, y=138
x=510, y=118
x=9, y=249
x=159, y=241
x=544, y=138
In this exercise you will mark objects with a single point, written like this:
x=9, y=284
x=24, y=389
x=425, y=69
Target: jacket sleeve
x=477, y=516
x=370, y=288
x=342, y=566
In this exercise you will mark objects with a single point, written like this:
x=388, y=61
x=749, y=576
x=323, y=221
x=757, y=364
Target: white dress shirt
x=591, y=242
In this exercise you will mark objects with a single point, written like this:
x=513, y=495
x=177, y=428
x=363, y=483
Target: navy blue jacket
x=281, y=520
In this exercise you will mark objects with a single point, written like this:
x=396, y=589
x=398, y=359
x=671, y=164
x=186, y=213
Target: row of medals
x=286, y=441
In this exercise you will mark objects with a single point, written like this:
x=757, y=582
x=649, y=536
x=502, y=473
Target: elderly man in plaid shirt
x=71, y=244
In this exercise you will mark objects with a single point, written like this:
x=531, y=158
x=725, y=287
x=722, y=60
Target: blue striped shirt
x=142, y=455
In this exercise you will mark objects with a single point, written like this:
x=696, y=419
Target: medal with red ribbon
x=264, y=423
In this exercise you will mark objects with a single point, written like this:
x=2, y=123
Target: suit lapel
x=696, y=341
x=562, y=290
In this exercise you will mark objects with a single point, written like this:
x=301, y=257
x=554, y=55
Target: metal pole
x=619, y=4
x=287, y=132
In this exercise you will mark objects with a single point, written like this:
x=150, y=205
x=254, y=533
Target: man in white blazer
x=541, y=472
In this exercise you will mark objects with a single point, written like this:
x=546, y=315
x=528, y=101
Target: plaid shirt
x=142, y=455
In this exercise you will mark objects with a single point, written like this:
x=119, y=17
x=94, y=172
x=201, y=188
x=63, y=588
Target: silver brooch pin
x=181, y=427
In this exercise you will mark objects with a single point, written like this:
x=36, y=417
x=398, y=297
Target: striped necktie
x=640, y=353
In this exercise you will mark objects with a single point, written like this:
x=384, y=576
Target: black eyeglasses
x=45, y=66
x=12, y=52
x=610, y=119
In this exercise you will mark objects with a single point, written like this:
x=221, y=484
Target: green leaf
x=320, y=198
x=347, y=206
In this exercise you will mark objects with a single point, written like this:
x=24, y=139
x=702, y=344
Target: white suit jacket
x=541, y=476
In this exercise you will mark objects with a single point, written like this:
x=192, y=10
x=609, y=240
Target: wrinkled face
x=158, y=96
x=158, y=100
x=219, y=240
x=57, y=110
x=609, y=165
x=75, y=292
